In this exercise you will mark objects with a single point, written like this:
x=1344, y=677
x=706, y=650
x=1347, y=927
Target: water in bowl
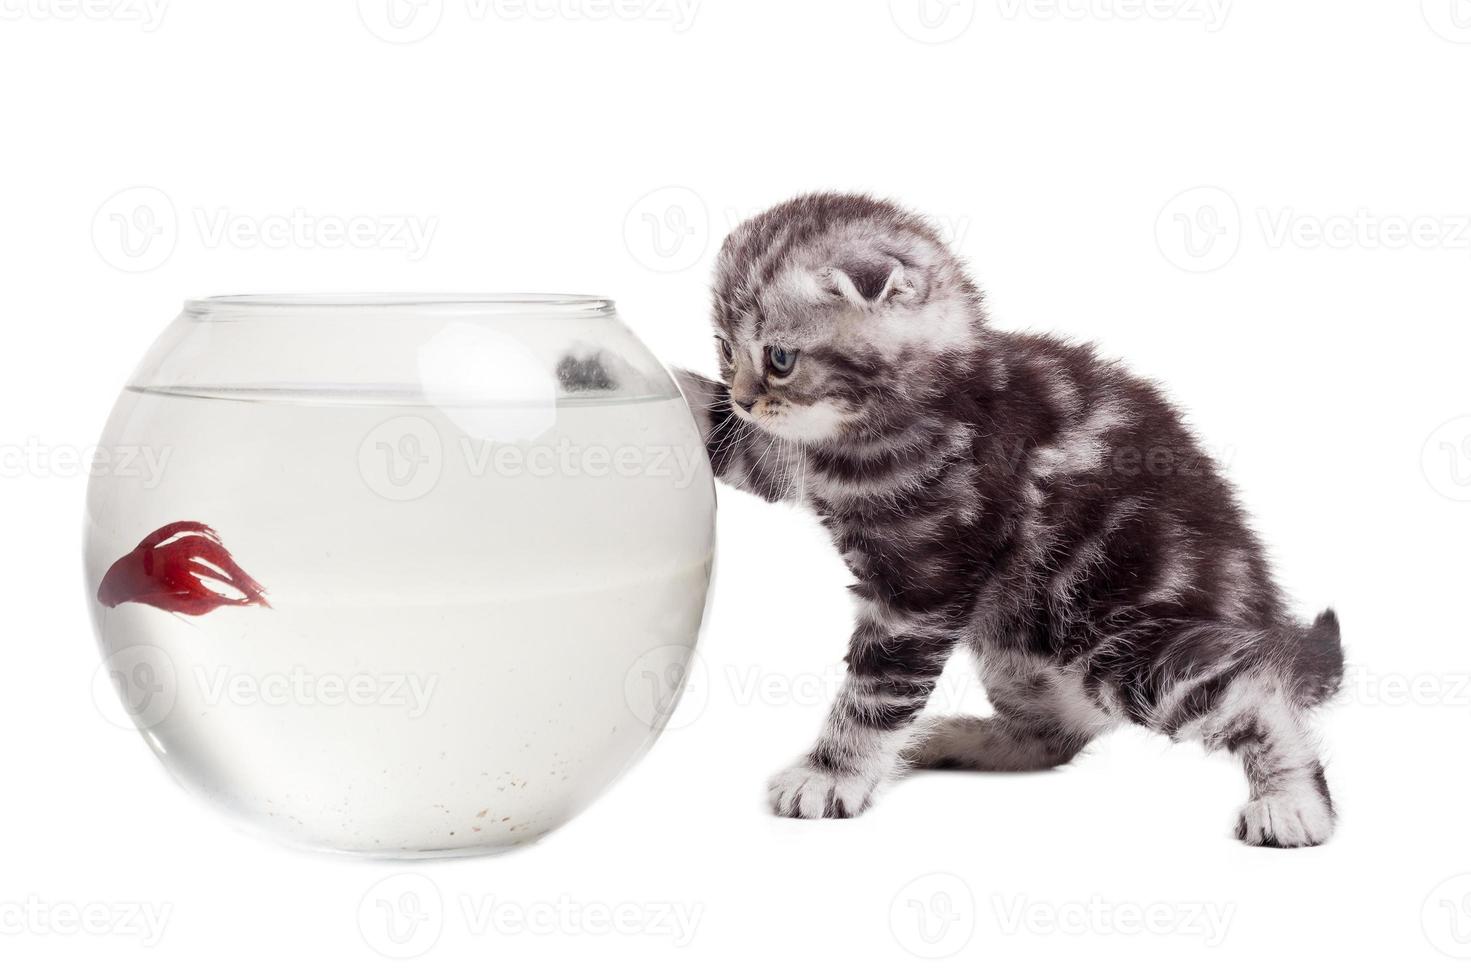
x=473, y=616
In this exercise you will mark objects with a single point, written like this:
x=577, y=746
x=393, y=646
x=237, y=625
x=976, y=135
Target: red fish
x=170, y=568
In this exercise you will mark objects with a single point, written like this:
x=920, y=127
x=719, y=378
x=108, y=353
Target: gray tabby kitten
x=1013, y=495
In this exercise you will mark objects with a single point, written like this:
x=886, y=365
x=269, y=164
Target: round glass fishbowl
x=399, y=575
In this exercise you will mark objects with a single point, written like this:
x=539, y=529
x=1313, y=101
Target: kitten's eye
x=781, y=361
x=725, y=352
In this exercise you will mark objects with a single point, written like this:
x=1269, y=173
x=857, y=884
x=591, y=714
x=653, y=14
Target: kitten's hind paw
x=1287, y=818
x=808, y=792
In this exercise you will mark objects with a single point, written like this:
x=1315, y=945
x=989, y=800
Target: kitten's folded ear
x=871, y=282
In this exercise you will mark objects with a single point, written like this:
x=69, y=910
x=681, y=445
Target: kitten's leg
x=1041, y=720
x=742, y=454
x=1289, y=803
x=892, y=669
x=708, y=399
x=1253, y=701
x=997, y=743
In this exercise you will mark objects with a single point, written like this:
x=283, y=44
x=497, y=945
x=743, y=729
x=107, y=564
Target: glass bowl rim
x=521, y=304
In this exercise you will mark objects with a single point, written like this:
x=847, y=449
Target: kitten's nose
x=743, y=402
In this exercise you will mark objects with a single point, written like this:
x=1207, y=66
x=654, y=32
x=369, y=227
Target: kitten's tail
x=1317, y=662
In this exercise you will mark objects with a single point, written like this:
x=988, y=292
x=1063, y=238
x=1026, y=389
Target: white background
x=1321, y=355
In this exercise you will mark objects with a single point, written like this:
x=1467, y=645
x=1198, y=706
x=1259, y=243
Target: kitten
x=1014, y=495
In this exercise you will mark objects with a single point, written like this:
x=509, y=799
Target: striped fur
x=1015, y=495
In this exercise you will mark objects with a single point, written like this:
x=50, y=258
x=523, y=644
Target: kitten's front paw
x=1286, y=819
x=805, y=791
